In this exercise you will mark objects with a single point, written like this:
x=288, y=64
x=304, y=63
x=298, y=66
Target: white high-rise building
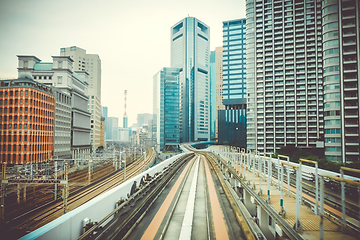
x=341, y=51
x=190, y=52
x=90, y=63
x=284, y=74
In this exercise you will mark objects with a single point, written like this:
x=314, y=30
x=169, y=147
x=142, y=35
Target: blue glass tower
x=190, y=43
x=232, y=120
x=166, y=116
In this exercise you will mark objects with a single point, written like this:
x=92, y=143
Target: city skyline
x=104, y=36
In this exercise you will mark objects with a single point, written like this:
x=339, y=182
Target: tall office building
x=190, y=43
x=90, y=63
x=218, y=86
x=340, y=24
x=212, y=76
x=166, y=102
x=232, y=120
x=284, y=74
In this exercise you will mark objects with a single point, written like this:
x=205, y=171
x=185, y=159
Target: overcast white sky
x=131, y=37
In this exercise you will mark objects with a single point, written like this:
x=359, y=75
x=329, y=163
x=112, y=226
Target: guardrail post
x=288, y=176
x=278, y=167
x=297, y=199
x=300, y=184
x=281, y=188
x=244, y=165
x=269, y=179
x=321, y=208
x=254, y=172
x=249, y=165
x=343, y=198
x=317, y=189
x=358, y=188
x=260, y=169
x=241, y=163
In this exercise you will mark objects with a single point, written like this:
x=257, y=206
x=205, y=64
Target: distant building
x=166, y=100
x=190, y=52
x=27, y=110
x=102, y=131
x=143, y=118
x=113, y=123
x=125, y=121
x=140, y=137
x=124, y=134
x=232, y=120
x=90, y=63
x=71, y=98
x=218, y=86
x=105, y=114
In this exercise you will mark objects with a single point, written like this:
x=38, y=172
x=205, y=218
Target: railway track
x=41, y=215
x=40, y=195
x=127, y=215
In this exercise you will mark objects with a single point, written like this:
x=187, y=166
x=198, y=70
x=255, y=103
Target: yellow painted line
x=218, y=218
x=157, y=220
x=242, y=222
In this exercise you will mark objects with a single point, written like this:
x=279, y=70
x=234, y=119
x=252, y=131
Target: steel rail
x=75, y=195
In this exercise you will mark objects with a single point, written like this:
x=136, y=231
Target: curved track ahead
x=185, y=201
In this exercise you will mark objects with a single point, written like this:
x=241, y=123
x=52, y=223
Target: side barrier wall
x=70, y=225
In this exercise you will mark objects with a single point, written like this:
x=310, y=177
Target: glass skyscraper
x=232, y=120
x=190, y=44
x=166, y=116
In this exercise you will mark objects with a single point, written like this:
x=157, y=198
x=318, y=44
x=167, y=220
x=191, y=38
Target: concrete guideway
x=261, y=195
x=192, y=209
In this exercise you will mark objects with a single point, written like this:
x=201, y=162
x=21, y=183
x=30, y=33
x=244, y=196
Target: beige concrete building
x=90, y=63
x=218, y=85
x=102, y=131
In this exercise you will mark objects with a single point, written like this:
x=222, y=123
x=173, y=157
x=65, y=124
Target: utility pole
x=66, y=188
x=125, y=167
x=89, y=174
x=3, y=187
x=55, y=190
